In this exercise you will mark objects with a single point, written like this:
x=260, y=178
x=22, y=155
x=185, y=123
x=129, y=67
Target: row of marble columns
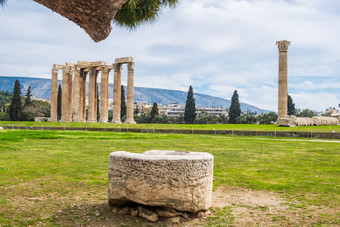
x=74, y=76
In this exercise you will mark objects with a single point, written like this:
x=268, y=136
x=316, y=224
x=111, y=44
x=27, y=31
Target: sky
x=215, y=46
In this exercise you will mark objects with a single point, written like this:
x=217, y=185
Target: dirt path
x=31, y=204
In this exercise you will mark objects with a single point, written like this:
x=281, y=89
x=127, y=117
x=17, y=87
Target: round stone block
x=172, y=179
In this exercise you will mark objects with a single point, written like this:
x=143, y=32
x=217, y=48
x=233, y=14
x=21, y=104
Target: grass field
x=241, y=127
x=59, y=178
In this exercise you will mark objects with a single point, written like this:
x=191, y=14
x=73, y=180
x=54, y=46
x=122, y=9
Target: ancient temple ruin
x=74, y=77
x=283, y=118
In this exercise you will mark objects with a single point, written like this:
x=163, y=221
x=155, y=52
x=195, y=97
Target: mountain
x=41, y=88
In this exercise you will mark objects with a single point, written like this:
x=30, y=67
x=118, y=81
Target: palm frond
x=136, y=12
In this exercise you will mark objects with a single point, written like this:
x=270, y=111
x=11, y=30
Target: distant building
x=175, y=110
x=212, y=110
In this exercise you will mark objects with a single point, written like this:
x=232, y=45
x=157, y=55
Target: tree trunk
x=94, y=16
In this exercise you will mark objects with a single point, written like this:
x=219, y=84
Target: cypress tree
x=154, y=111
x=122, y=103
x=59, y=103
x=16, y=108
x=190, y=108
x=235, y=109
x=28, y=101
x=290, y=106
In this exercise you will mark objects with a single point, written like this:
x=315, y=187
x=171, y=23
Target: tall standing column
x=96, y=96
x=64, y=96
x=91, y=95
x=54, y=95
x=117, y=93
x=283, y=78
x=76, y=95
x=70, y=82
x=130, y=94
x=103, y=95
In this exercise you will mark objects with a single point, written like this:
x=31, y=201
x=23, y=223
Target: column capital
x=55, y=70
x=71, y=71
x=283, y=45
x=104, y=69
x=131, y=66
x=77, y=68
x=118, y=67
x=66, y=69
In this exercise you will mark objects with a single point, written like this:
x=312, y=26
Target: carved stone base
x=171, y=179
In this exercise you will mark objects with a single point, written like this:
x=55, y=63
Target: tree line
x=15, y=107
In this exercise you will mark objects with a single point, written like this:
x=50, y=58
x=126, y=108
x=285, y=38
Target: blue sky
x=215, y=46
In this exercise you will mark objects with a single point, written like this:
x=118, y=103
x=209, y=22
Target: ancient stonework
x=178, y=180
x=283, y=80
x=94, y=16
x=293, y=121
x=74, y=76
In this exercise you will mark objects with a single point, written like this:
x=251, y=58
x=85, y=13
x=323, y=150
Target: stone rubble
x=154, y=214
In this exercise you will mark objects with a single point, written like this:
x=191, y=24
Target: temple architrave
x=283, y=83
x=74, y=76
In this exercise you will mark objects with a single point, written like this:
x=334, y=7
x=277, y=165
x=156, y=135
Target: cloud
x=216, y=46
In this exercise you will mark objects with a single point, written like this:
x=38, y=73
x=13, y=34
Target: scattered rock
x=147, y=214
x=124, y=211
x=173, y=220
x=203, y=213
x=169, y=213
x=185, y=215
x=134, y=212
x=115, y=209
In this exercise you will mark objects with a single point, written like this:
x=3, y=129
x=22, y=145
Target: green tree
x=28, y=100
x=306, y=113
x=59, y=103
x=190, y=107
x=154, y=111
x=16, y=108
x=267, y=118
x=160, y=119
x=246, y=119
x=291, y=106
x=235, y=109
x=122, y=103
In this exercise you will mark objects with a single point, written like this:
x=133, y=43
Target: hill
x=41, y=88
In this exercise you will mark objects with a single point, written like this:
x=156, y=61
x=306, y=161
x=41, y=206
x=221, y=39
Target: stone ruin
x=283, y=118
x=158, y=184
x=74, y=86
x=318, y=121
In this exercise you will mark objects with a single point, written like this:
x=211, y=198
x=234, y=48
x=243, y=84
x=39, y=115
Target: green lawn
x=59, y=178
x=242, y=127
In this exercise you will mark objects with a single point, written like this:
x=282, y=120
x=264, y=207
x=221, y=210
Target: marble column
x=130, y=94
x=283, y=78
x=82, y=105
x=70, y=97
x=96, y=96
x=91, y=96
x=54, y=95
x=64, y=96
x=117, y=93
x=76, y=95
x=104, y=114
